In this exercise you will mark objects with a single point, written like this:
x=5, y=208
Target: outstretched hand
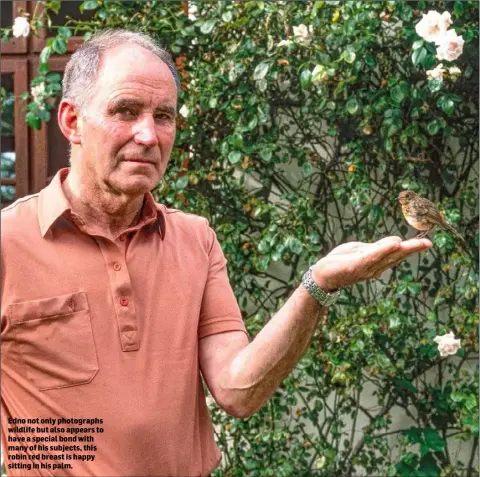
x=354, y=262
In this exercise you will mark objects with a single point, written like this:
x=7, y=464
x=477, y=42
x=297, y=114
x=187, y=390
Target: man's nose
x=145, y=132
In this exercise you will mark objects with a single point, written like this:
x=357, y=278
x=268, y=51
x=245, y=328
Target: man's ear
x=69, y=121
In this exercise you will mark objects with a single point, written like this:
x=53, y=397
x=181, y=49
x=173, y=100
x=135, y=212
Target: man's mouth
x=140, y=161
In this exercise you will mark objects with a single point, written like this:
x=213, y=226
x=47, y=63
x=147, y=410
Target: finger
x=415, y=245
x=394, y=259
x=387, y=240
x=383, y=248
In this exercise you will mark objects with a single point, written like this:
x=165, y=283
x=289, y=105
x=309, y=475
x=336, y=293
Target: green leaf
x=371, y=61
x=55, y=6
x=417, y=44
x=401, y=288
x=446, y=104
x=435, y=85
x=458, y=8
x=305, y=79
x=397, y=94
x=227, y=16
x=294, y=245
x=65, y=32
x=393, y=126
x=433, y=127
x=307, y=169
x=440, y=240
x=266, y=154
x=235, y=157
x=433, y=439
x=418, y=56
x=358, y=345
x=89, y=5
x=349, y=56
x=388, y=144
x=428, y=467
x=43, y=68
x=352, y=106
x=181, y=182
x=45, y=54
x=252, y=123
x=263, y=246
x=261, y=70
x=404, y=384
x=32, y=120
x=207, y=26
x=59, y=46
x=44, y=115
x=54, y=77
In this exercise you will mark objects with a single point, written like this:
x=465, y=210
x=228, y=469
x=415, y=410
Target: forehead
x=133, y=69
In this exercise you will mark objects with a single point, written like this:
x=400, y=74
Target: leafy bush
x=290, y=148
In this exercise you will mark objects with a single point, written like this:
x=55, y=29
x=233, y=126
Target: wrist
x=321, y=281
x=325, y=298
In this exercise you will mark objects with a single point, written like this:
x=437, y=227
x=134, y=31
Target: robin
x=423, y=215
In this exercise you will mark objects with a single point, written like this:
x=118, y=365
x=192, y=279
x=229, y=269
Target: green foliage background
x=286, y=166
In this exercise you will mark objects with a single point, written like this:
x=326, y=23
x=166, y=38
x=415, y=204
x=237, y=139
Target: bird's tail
x=454, y=232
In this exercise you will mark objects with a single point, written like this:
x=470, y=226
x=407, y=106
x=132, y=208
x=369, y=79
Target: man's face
x=128, y=126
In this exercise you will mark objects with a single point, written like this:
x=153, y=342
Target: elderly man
x=114, y=306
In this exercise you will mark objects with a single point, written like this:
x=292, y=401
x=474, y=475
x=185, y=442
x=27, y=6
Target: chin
x=137, y=184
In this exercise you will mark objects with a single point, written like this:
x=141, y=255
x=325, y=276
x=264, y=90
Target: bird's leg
x=424, y=233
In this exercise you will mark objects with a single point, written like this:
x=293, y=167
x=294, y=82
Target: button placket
x=121, y=287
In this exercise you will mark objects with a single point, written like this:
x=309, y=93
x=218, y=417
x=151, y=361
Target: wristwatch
x=325, y=299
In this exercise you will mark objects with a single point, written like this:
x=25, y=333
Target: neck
x=102, y=211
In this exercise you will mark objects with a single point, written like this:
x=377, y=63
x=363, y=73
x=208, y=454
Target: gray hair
x=82, y=69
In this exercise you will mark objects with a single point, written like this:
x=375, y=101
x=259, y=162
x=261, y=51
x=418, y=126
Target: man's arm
x=242, y=376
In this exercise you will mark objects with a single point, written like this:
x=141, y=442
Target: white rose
x=436, y=73
x=320, y=462
x=21, y=27
x=184, y=111
x=284, y=43
x=447, y=344
x=192, y=9
x=319, y=74
x=433, y=26
x=302, y=32
x=445, y=21
x=454, y=72
x=37, y=92
x=451, y=46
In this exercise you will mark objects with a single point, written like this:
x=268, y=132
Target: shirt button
x=116, y=266
x=124, y=301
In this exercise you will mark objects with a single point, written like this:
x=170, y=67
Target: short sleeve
x=219, y=310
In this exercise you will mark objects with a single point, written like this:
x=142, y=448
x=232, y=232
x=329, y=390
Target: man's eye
x=125, y=111
x=162, y=116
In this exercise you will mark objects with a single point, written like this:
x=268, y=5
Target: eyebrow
x=135, y=103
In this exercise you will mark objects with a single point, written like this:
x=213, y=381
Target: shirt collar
x=53, y=203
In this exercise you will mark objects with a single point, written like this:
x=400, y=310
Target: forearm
x=257, y=371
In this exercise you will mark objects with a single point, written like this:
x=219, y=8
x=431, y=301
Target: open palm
x=354, y=262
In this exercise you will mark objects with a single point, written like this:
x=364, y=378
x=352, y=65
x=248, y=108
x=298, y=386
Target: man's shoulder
x=187, y=226
x=180, y=216
x=22, y=210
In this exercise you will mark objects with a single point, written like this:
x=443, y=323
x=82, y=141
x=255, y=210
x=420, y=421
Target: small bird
x=423, y=215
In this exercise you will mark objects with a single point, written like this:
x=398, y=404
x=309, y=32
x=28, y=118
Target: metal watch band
x=325, y=299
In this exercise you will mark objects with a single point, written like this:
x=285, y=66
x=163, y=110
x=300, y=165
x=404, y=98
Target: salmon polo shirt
x=100, y=371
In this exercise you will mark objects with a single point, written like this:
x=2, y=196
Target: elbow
x=240, y=412
x=240, y=407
